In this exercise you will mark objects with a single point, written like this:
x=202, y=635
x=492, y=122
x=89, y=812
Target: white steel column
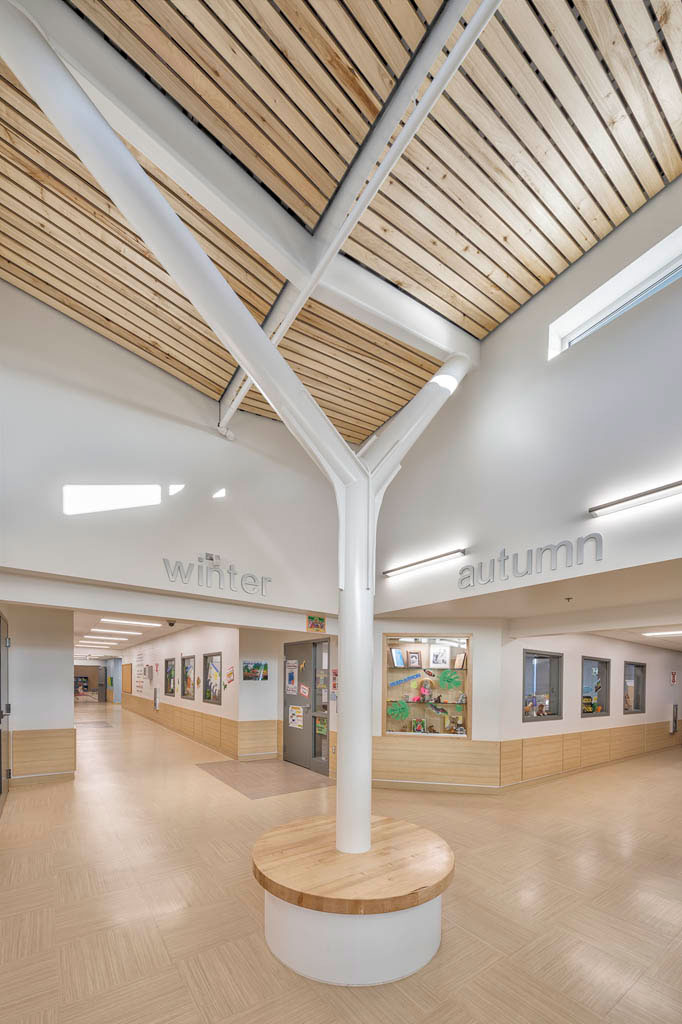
x=359, y=482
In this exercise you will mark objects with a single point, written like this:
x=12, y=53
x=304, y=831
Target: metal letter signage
x=537, y=560
x=211, y=573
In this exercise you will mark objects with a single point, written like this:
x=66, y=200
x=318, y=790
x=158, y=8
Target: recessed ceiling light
x=131, y=622
x=667, y=632
x=641, y=498
x=122, y=632
x=425, y=563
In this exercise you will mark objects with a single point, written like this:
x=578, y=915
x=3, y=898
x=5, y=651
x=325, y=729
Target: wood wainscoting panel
x=445, y=760
x=184, y=722
x=228, y=737
x=257, y=739
x=43, y=751
x=207, y=729
x=595, y=747
x=127, y=678
x=657, y=736
x=511, y=762
x=280, y=740
x=627, y=741
x=571, y=751
x=542, y=755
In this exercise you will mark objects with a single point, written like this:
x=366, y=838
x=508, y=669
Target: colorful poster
x=316, y=623
x=304, y=690
x=213, y=670
x=255, y=671
x=295, y=716
x=321, y=726
x=169, y=687
x=291, y=685
x=229, y=675
x=335, y=682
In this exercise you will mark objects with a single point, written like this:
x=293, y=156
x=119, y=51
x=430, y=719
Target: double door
x=307, y=683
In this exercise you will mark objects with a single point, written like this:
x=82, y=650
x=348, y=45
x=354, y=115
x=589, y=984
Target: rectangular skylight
x=650, y=273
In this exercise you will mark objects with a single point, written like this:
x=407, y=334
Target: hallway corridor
x=126, y=896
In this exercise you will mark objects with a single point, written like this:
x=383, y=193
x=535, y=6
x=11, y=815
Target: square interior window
x=542, y=679
x=634, y=687
x=595, y=687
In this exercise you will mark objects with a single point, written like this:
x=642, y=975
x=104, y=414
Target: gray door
x=4, y=713
x=101, y=684
x=306, y=705
x=299, y=679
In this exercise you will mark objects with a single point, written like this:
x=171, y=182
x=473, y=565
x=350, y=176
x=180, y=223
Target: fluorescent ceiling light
x=175, y=489
x=651, y=272
x=667, y=632
x=100, y=640
x=425, y=563
x=221, y=493
x=641, y=498
x=79, y=499
x=124, y=633
x=130, y=622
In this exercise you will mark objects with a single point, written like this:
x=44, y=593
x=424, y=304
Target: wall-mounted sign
x=210, y=573
x=316, y=623
x=536, y=561
x=291, y=678
x=304, y=690
x=673, y=678
x=295, y=716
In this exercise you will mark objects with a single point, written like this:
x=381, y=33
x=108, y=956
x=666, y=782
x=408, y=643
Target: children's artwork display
x=213, y=670
x=187, y=677
x=169, y=677
x=291, y=677
x=439, y=656
x=254, y=671
x=304, y=690
x=433, y=696
x=316, y=624
x=418, y=725
x=295, y=716
x=398, y=657
x=414, y=659
x=321, y=726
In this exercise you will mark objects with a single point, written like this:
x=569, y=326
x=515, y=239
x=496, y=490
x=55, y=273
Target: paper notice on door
x=304, y=690
x=295, y=716
x=292, y=678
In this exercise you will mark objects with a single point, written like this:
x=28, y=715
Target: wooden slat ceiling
x=64, y=242
x=564, y=119
x=289, y=88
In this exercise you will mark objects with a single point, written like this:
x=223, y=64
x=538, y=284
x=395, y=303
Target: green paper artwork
x=398, y=709
x=449, y=678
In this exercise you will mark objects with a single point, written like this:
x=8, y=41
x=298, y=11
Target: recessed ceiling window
x=596, y=683
x=634, y=688
x=80, y=499
x=542, y=685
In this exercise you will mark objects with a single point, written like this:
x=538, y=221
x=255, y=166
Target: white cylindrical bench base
x=352, y=949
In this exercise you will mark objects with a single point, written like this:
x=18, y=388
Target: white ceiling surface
x=633, y=601
x=85, y=621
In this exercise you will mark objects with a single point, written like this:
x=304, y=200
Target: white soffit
x=140, y=113
x=646, y=275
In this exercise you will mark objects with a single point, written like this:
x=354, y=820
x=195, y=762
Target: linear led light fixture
x=125, y=633
x=641, y=498
x=130, y=622
x=650, y=273
x=667, y=632
x=424, y=563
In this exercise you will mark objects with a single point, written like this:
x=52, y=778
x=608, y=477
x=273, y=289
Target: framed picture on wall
x=414, y=659
x=255, y=671
x=397, y=657
x=461, y=659
x=439, y=656
x=187, y=680
x=213, y=670
x=169, y=677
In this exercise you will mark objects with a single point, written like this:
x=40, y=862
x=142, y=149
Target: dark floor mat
x=260, y=779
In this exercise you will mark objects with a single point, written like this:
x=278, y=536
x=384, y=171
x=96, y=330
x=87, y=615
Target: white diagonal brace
x=364, y=178
x=157, y=127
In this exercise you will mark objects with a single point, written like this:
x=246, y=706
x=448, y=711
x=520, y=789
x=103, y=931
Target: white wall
x=259, y=700
x=40, y=667
x=76, y=408
x=659, y=693
x=526, y=446
x=197, y=641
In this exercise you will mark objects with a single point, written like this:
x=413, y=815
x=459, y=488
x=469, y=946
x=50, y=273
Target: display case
x=427, y=685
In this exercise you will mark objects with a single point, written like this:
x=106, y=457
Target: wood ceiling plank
x=536, y=206
x=435, y=155
x=441, y=297
x=308, y=66
x=185, y=50
x=669, y=15
x=327, y=145
x=91, y=318
x=546, y=169
x=497, y=42
x=407, y=22
x=428, y=227
x=264, y=161
x=370, y=16
x=566, y=85
x=593, y=78
x=344, y=388
x=636, y=21
x=386, y=221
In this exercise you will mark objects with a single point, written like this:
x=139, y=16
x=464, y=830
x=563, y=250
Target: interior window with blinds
x=542, y=685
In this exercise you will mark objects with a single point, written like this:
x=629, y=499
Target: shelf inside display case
x=427, y=686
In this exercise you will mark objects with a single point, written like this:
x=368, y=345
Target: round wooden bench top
x=406, y=866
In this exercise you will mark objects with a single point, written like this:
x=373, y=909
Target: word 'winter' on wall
x=210, y=572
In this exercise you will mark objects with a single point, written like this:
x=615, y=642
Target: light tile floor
x=126, y=897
